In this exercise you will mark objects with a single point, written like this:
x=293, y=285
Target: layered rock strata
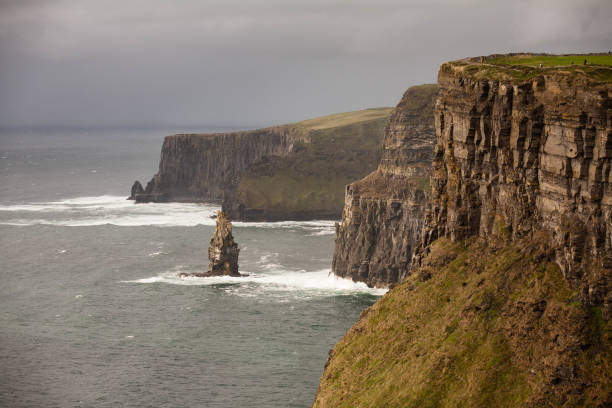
x=507, y=300
x=384, y=212
x=516, y=156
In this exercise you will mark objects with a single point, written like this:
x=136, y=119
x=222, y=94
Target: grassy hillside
x=552, y=60
x=343, y=148
x=337, y=120
x=480, y=325
x=526, y=66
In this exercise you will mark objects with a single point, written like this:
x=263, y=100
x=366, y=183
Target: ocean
x=92, y=313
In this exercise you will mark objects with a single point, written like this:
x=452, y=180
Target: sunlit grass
x=552, y=60
x=344, y=119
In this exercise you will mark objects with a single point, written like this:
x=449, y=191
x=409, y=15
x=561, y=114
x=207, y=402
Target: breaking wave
x=116, y=210
x=319, y=282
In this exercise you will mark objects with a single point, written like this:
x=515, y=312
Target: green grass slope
x=479, y=325
x=343, y=148
x=527, y=66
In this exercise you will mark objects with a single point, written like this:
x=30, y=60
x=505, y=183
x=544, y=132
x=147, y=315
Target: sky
x=253, y=63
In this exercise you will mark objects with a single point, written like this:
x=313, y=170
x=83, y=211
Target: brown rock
x=514, y=157
x=222, y=252
x=384, y=212
x=136, y=190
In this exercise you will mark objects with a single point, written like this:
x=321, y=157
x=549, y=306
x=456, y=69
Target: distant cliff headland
x=296, y=171
x=507, y=300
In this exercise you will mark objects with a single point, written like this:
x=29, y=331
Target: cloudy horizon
x=148, y=63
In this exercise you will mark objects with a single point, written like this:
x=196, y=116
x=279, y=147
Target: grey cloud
x=193, y=63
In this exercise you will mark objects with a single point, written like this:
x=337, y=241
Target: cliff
x=384, y=212
x=204, y=167
x=514, y=157
x=295, y=171
x=507, y=302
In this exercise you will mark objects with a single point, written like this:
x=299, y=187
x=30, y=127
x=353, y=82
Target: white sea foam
x=327, y=231
x=270, y=262
x=116, y=210
x=108, y=210
x=319, y=282
x=157, y=253
x=324, y=226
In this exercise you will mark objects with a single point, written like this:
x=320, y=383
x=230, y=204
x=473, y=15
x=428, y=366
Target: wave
x=117, y=210
x=320, y=282
x=107, y=210
x=97, y=202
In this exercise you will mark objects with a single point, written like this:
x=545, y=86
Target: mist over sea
x=92, y=313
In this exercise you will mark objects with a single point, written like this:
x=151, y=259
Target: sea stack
x=137, y=189
x=223, y=250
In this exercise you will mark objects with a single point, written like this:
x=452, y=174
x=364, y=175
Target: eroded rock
x=514, y=157
x=384, y=212
x=136, y=189
x=222, y=252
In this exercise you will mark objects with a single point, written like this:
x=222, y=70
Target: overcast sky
x=258, y=62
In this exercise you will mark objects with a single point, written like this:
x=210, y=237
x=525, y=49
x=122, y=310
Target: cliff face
x=383, y=213
x=507, y=302
x=200, y=167
x=295, y=171
x=310, y=183
x=513, y=157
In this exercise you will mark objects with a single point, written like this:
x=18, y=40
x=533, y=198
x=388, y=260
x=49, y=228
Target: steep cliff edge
x=295, y=171
x=310, y=182
x=203, y=167
x=516, y=156
x=383, y=213
x=507, y=302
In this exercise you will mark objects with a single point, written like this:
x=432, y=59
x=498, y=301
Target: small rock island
x=222, y=252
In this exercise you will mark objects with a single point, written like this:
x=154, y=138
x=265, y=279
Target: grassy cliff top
x=344, y=119
x=522, y=67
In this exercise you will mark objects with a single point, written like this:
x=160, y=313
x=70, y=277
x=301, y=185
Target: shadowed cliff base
x=289, y=172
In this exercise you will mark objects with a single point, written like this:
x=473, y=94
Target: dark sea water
x=92, y=313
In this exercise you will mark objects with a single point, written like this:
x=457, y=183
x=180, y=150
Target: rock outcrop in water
x=295, y=171
x=507, y=302
x=137, y=190
x=222, y=252
x=384, y=212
